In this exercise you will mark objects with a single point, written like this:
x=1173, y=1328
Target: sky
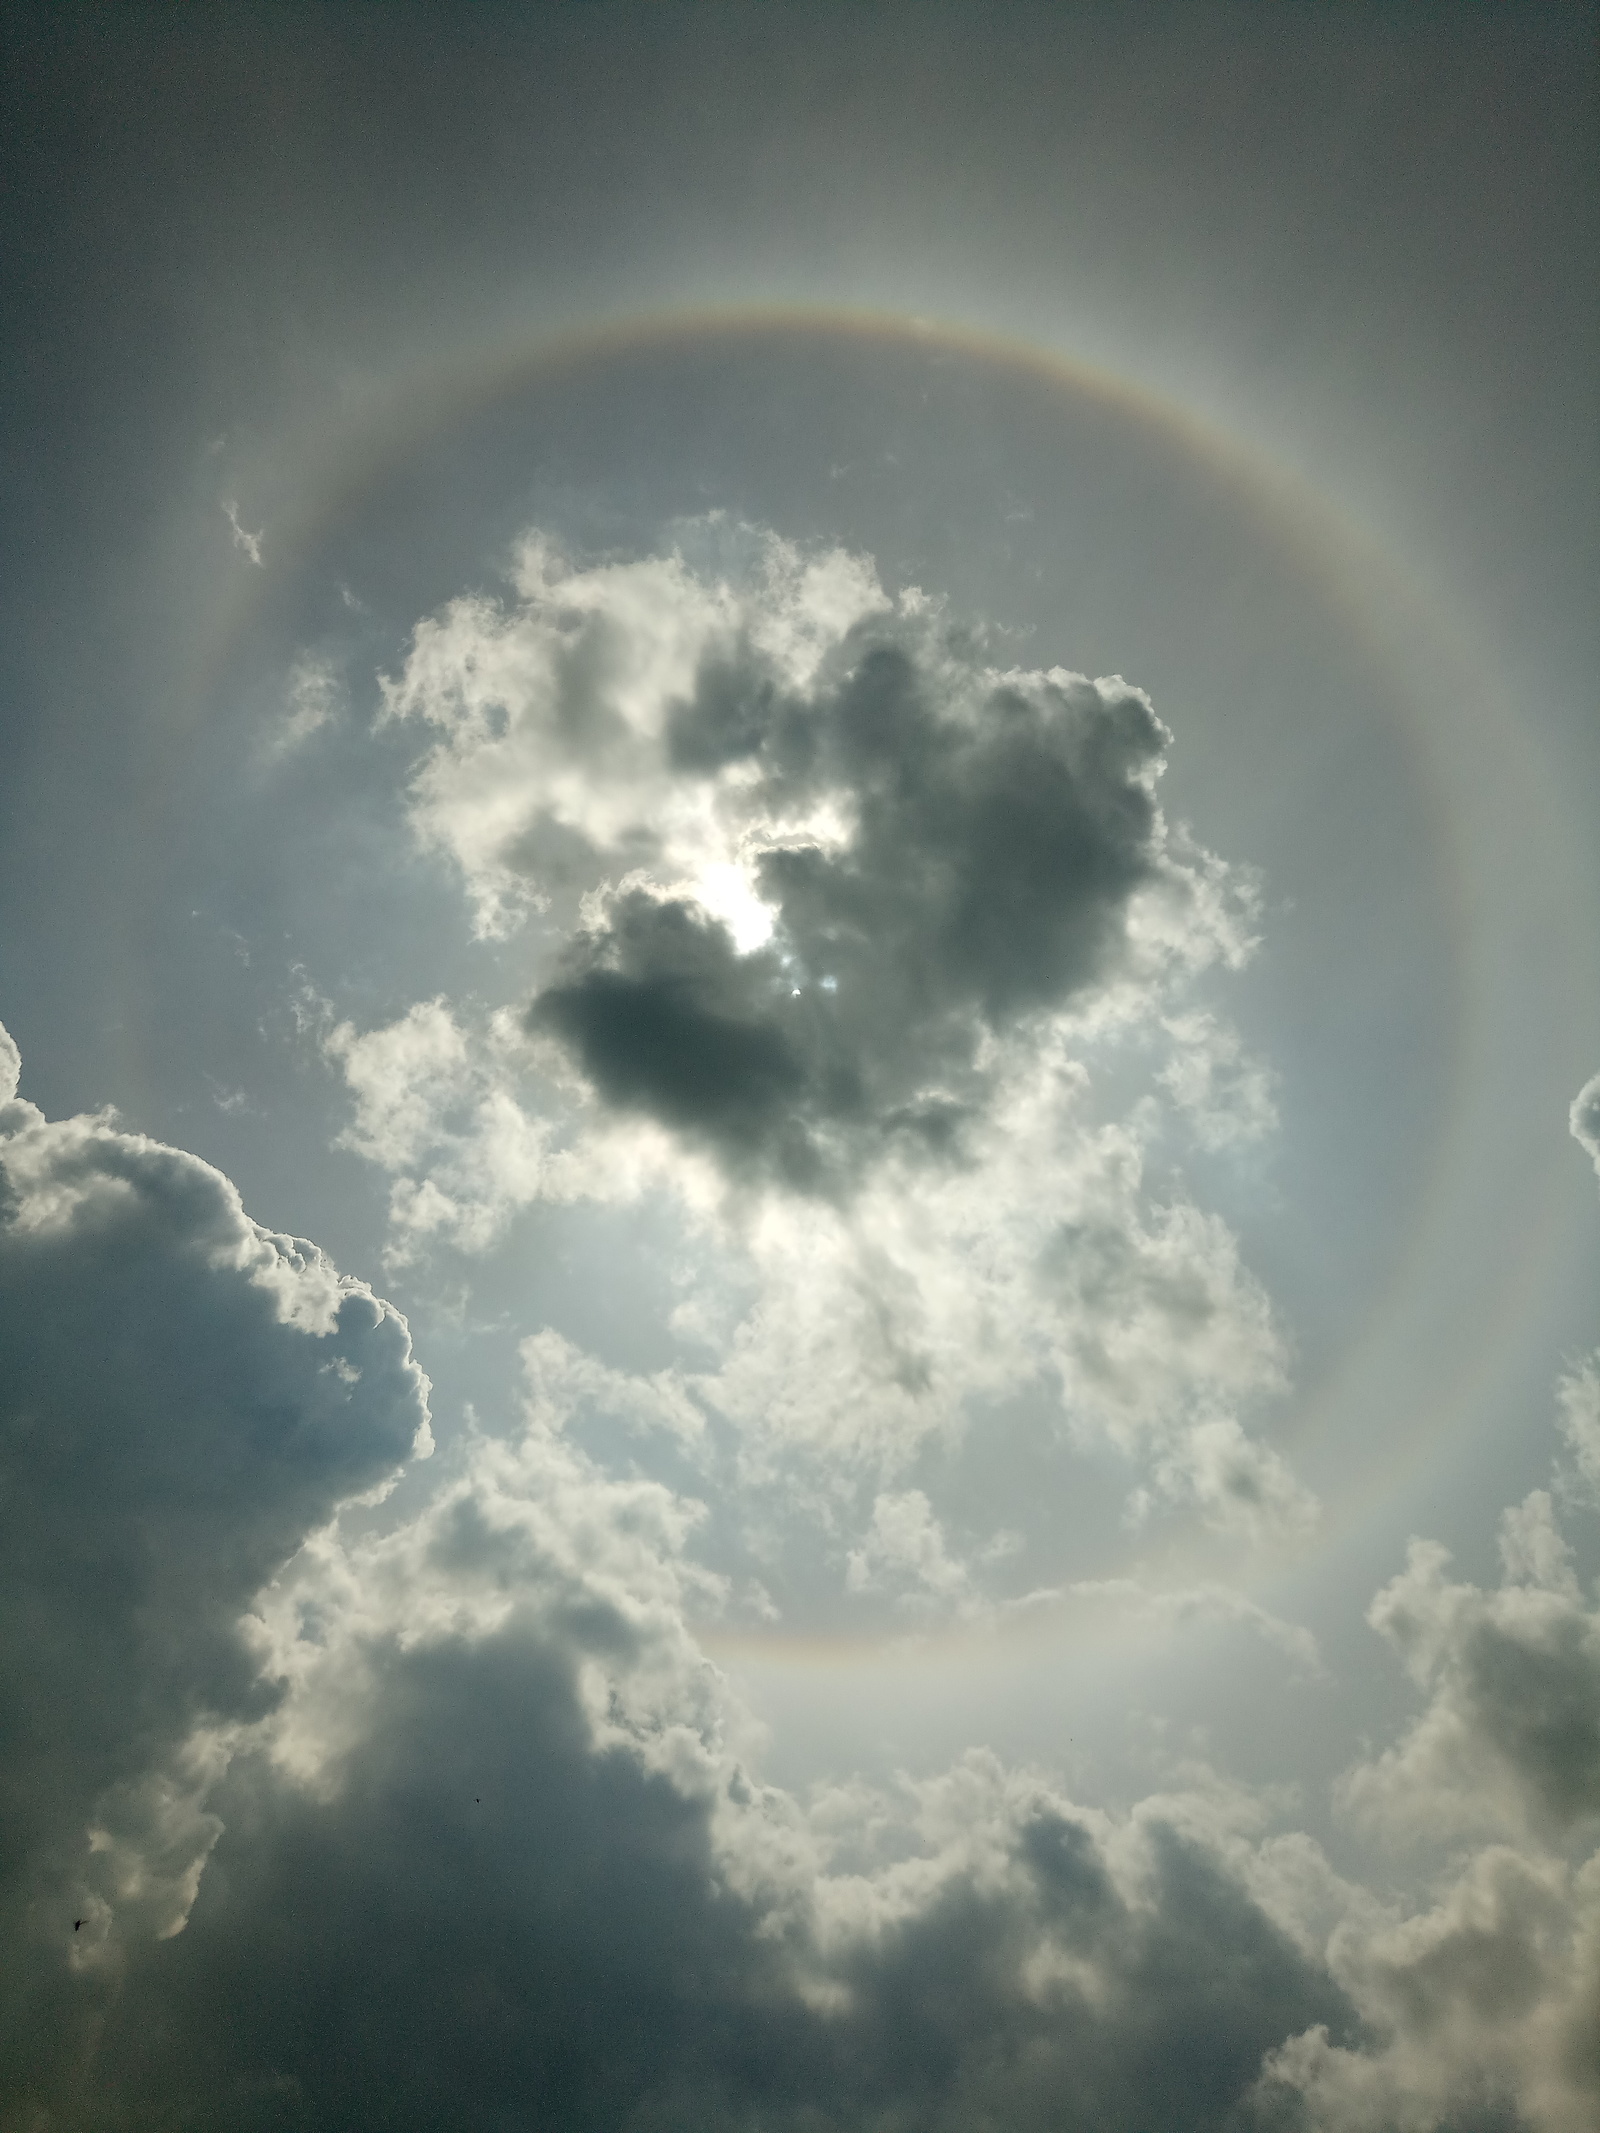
x=799, y=1069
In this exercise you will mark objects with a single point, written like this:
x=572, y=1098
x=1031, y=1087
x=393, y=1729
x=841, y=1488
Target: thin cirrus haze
x=856, y=746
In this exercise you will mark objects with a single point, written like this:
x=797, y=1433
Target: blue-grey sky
x=797, y=1246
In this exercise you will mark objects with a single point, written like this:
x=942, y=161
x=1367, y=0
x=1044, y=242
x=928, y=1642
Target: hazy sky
x=797, y=933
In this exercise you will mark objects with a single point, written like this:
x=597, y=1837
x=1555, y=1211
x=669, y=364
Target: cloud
x=1578, y=1402
x=1180, y=1605
x=562, y=1380
x=1510, y=1738
x=183, y=1395
x=813, y=858
x=383, y=1811
x=986, y=855
x=1482, y=2005
x=10, y=1067
x=440, y=1106
x=554, y=759
x=1584, y=1119
x=906, y=1544
x=487, y=1908
x=1226, y=1095
x=249, y=543
x=1037, y=1265
x=315, y=696
x=401, y=1077
x=847, y=1336
x=879, y=959
x=500, y=1836
x=1481, y=2008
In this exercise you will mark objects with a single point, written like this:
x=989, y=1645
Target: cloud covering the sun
x=813, y=863
x=878, y=959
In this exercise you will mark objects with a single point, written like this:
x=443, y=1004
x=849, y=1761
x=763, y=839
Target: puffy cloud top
x=1511, y=1735
x=183, y=1396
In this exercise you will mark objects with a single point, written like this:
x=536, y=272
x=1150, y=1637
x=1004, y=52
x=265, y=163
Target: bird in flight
x=76, y=1923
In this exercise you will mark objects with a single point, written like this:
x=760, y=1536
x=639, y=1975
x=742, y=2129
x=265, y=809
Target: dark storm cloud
x=995, y=832
x=182, y=1397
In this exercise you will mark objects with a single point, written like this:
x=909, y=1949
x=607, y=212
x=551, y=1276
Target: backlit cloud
x=847, y=937
x=341, y=1810
x=820, y=860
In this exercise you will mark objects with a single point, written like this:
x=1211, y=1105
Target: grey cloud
x=1538, y=1700
x=666, y=1017
x=490, y=1852
x=1578, y=1400
x=183, y=1395
x=1482, y=2006
x=491, y=1924
x=494, y=1860
x=1061, y=2004
x=996, y=832
x=1480, y=2012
